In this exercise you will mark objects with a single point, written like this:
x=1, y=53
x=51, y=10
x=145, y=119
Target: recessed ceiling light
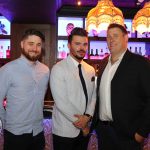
x=78, y=2
x=138, y=3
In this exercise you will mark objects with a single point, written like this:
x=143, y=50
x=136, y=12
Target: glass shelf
x=98, y=49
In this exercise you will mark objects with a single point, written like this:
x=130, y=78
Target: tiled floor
x=48, y=138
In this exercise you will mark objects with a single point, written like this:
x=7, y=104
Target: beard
x=29, y=57
x=78, y=57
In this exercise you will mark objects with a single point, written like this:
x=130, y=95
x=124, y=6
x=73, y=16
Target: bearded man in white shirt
x=73, y=106
x=24, y=82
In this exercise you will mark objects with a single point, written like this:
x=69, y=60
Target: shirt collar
x=76, y=63
x=119, y=58
x=30, y=63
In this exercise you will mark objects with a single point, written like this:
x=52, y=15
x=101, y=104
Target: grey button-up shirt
x=24, y=85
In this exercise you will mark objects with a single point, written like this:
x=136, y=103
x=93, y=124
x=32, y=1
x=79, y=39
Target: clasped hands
x=82, y=123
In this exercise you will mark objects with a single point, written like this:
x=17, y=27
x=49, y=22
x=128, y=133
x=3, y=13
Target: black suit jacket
x=130, y=96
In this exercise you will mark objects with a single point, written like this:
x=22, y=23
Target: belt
x=107, y=123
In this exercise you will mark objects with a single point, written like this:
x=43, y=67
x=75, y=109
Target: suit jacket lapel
x=71, y=66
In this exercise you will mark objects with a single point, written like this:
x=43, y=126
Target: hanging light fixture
x=141, y=21
x=102, y=15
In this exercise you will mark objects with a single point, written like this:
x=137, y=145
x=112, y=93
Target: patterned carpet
x=48, y=138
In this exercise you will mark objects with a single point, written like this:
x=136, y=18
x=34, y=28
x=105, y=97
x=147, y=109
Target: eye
x=30, y=43
x=85, y=44
x=77, y=43
x=39, y=44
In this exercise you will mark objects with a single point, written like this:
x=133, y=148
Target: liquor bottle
x=92, y=54
x=101, y=54
x=63, y=52
x=136, y=52
x=96, y=54
x=1, y=52
x=140, y=51
x=8, y=52
x=106, y=52
x=59, y=52
x=130, y=49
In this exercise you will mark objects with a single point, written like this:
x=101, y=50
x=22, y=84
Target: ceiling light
x=141, y=21
x=102, y=15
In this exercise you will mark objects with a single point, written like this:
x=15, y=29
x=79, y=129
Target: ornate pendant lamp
x=141, y=21
x=102, y=15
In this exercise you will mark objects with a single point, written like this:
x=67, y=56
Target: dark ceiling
x=44, y=11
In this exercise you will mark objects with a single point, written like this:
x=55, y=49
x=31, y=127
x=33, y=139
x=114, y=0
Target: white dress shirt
x=24, y=84
x=105, y=113
x=69, y=96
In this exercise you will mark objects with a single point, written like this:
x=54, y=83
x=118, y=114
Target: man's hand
x=139, y=138
x=82, y=121
x=86, y=131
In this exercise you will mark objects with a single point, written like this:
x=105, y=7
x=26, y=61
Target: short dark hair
x=115, y=25
x=29, y=32
x=77, y=31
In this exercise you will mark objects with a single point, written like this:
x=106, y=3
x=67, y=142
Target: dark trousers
x=24, y=141
x=64, y=143
x=109, y=139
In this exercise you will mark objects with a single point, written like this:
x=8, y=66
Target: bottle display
x=4, y=51
x=97, y=49
x=138, y=48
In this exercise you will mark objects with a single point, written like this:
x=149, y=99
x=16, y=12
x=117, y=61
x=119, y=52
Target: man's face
x=31, y=47
x=78, y=47
x=116, y=40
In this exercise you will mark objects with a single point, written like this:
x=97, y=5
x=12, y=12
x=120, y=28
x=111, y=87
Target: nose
x=83, y=47
x=111, y=39
x=34, y=47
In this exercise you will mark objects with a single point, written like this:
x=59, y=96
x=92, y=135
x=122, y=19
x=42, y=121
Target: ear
x=68, y=45
x=21, y=44
x=126, y=38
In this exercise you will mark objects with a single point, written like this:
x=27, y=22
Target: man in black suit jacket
x=123, y=96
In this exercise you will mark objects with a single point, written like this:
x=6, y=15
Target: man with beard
x=24, y=82
x=74, y=100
